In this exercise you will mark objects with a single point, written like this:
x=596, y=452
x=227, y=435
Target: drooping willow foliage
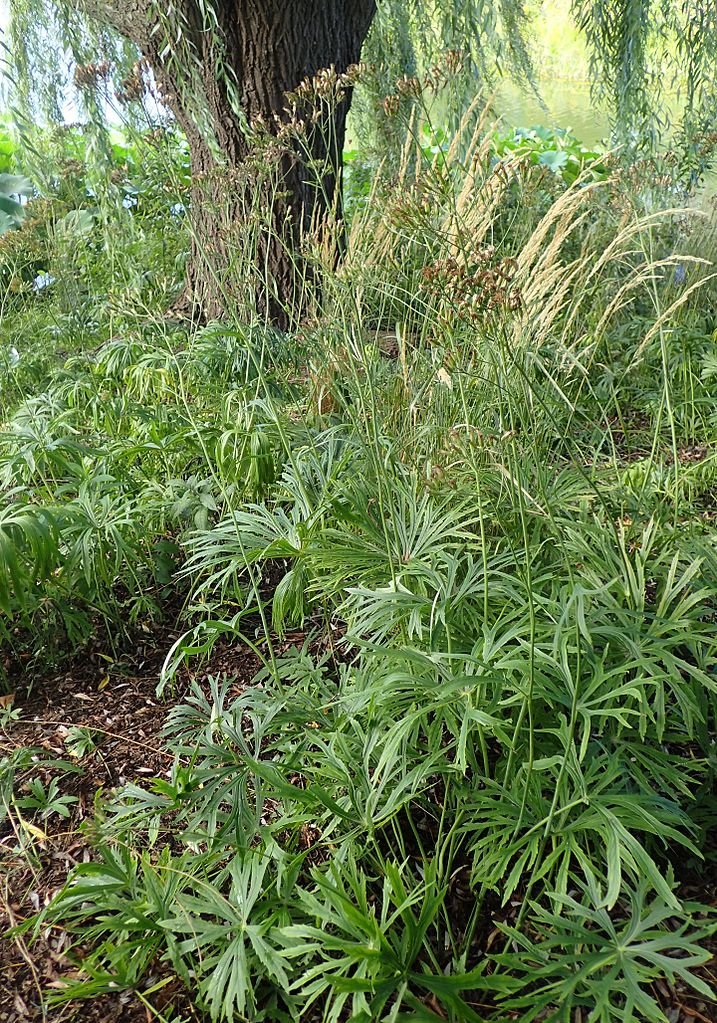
x=407, y=38
x=52, y=40
x=49, y=44
x=653, y=62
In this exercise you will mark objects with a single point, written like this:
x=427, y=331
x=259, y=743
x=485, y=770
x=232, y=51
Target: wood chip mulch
x=116, y=700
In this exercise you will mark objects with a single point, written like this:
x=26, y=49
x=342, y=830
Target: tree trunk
x=263, y=184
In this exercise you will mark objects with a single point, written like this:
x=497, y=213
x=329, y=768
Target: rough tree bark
x=268, y=47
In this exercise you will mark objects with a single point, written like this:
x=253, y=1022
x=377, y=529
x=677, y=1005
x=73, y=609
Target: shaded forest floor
x=496, y=478
x=112, y=705
x=115, y=705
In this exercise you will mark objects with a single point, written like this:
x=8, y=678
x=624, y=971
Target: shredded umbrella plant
x=458, y=520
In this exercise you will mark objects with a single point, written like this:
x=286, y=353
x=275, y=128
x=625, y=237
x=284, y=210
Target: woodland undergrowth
x=478, y=483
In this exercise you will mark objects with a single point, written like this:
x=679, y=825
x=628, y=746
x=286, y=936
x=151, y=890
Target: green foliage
x=599, y=966
x=11, y=209
x=556, y=149
x=480, y=487
x=31, y=793
x=46, y=801
x=639, y=52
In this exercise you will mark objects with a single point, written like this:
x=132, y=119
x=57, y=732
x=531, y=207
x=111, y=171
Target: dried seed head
x=89, y=75
x=454, y=61
x=408, y=85
x=391, y=105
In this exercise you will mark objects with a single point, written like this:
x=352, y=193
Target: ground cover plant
x=460, y=522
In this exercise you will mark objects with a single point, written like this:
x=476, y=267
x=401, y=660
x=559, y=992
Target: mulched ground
x=117, y=701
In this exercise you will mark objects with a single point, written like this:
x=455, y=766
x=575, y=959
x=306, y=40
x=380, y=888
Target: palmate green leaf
x=456, y=991
x=655, y=649
x=605, y=963
x=373, y=773
x=228, y=936
x=29, y=551
x=217, y=556
x=588, y=819
x=654, y=769
x=440, y=595
x=11, y=208
x=15, y=184
x=372, y=944
x=113, y=910
x=375, y=544
x=46, y=801
x=226, y=989
x=318, y=796
x=432, y=698
x=555, y=160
